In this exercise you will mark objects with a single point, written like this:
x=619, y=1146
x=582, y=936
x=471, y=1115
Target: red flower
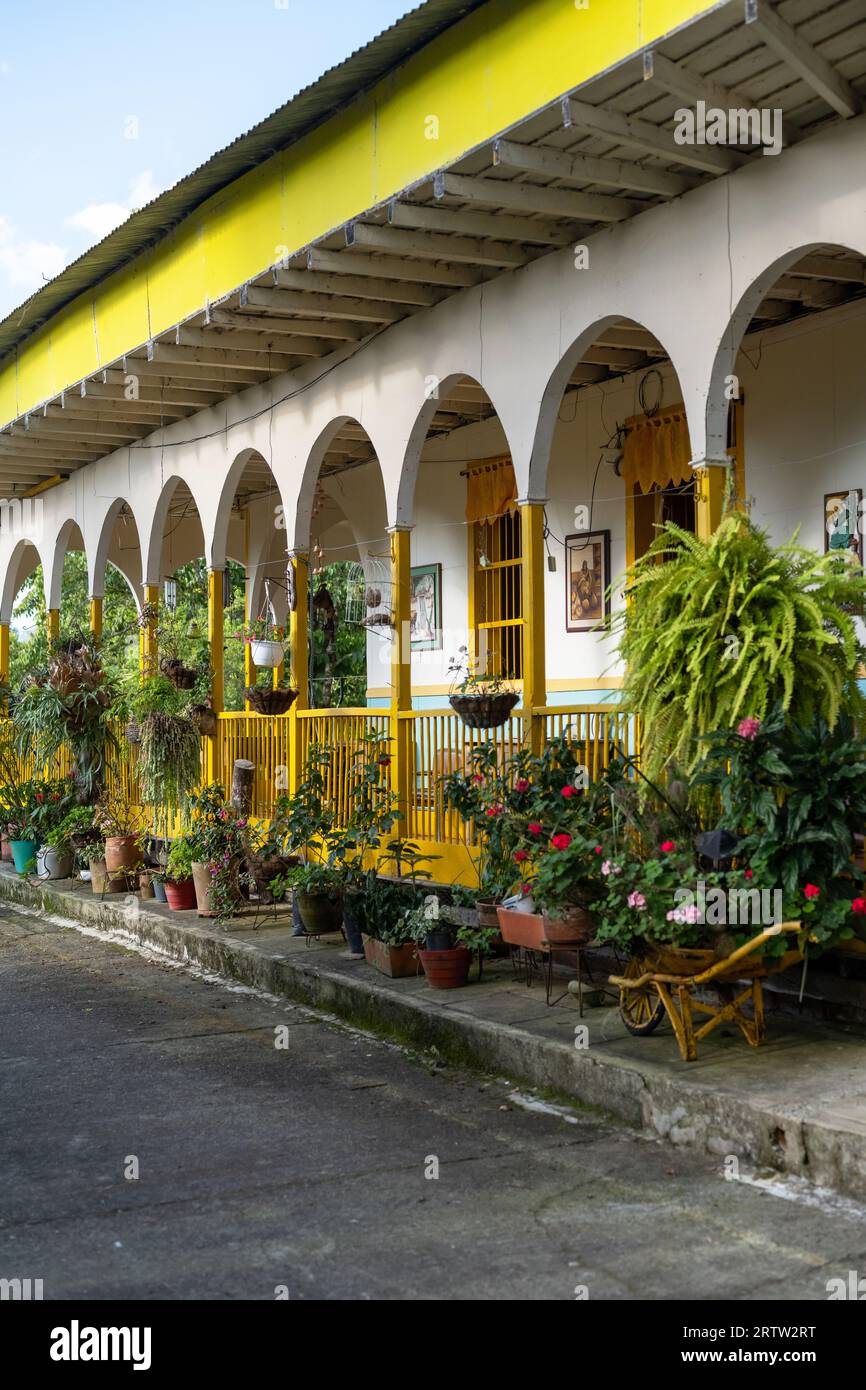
x=521, y=785
x=524, y=888
x=569, y=790
x=598, y=850
x=561, y=841
x=477, y=779
x=39, y=796
x=667, y=846
x=748, y=873
x=493, y=811
x=520, y=855
x=534, y=828
x=859, y=906
x=810, y=891
x=384, y=761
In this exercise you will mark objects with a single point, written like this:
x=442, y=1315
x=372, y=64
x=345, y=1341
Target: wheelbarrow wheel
x=641, y=1010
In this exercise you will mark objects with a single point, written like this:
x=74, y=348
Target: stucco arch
x=22, y=561
x=299, y=537
x=438, y=390
x=725, y=359
x=218, y=550
x=153, y=537
x=98, y=553
x=52, y=573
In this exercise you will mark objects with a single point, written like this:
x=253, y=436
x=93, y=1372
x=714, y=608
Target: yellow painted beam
x=534, y=668
x=53, y=624
x=494, y=68
x=710, y=483
x=96, y=618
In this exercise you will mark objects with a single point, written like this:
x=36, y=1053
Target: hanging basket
x=133, y=731
x=182, y=677
x=266, y=653
x=270, y=701
x=484, y=711
x=204, y=719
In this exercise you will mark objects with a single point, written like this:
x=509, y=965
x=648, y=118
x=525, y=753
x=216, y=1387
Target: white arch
x=23, y=560
x=152, y=542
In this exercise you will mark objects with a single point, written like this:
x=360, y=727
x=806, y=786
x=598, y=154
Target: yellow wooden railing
x=436, y=743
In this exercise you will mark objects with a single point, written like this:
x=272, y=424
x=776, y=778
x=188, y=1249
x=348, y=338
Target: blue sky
x=102, y=107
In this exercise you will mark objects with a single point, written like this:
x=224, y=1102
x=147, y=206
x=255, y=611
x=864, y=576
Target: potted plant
x=56, y=858
x=265, y=640
x=482, y=702
x=264, y=699
x=158, y=883
x=320, y=896
x=120, y=824
x=180, y=891
x=446, y=965
x=23, y=843
x=67, y=706
x=220, y=840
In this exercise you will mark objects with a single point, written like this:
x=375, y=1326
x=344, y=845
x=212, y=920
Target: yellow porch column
x=96, y=618
x=4, y=658
x=148, y=648
x=402, y=736
x=299, y=658
x=711, y=480
x=216, y=640
x=534, y=655
x=53, y=624
x=279, y=671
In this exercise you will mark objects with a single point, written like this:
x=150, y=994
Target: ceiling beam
x=70, y=427
x=829, y=268
x=631, y=130
x=527, y=197
x=262, y=357
x=432, y=246
x=136, y=412
x=279, y=331
x=219, y=378
x=689, y=86
x=210, y=355
x=283, y=301
x=359, y=285
x=113, y=388
x=806, y=61
x=501, y=226
x=354, y=262
x=611, y=173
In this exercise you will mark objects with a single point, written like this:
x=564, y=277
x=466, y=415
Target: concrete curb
x=670, y=1105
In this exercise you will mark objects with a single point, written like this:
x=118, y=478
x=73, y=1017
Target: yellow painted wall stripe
x=497, y=66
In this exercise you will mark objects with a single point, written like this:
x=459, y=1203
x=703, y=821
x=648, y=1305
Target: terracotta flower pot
x=446, y=969
x=5, y=850
x=203, y=881
x=521, y=928
x=575, y=925
x=145, y=884
x=397, y=962
x=101, y=882
x=122, y=853
x=181, y=897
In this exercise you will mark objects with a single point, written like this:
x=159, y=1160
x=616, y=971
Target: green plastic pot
x=22, y=852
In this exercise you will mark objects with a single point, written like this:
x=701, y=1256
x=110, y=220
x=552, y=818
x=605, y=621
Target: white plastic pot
x=50, y=864
x=266, y=654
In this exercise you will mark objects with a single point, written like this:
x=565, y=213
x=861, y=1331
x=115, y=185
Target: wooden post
x=149, y=653
x=243, y=774
x=96, y=618
x=711, y=478
x=299, y=658
x=402, y=734
x=53, y=624
x=534, y=663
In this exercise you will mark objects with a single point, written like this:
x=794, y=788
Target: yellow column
x=534, y=662
x=299, y=659
x=402, y=736
x=148, y=648
x=96, y=618
x=279, y=671
x=4, y=658
x=53, y=624
x=711, y=478
x=249, y=664
x=215, y=615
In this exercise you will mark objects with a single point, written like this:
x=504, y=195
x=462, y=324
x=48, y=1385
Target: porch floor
x=797, y=1104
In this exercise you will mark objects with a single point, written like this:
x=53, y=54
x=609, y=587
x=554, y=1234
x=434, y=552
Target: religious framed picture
x=425, y=608
x=842, y=511
x=587, y=576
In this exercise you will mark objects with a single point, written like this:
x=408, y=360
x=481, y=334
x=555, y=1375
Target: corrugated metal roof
x=312, y=105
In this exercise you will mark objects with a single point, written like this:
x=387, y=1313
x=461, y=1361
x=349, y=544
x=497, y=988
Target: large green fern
x=720, y=629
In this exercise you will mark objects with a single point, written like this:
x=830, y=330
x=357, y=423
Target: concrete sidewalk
x=797, y=1104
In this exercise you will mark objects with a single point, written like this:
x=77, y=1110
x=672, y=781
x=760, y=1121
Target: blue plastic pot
x=22, y=852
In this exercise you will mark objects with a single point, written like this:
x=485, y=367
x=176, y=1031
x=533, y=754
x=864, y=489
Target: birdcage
x=368, y=593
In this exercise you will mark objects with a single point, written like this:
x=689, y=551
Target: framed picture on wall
x=842, y=511
x=587, y=576
x=425, y=608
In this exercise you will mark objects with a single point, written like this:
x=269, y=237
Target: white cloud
x=98, y=219
x=26, y=265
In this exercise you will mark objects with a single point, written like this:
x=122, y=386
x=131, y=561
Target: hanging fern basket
x=484, y=711
x=270, y=701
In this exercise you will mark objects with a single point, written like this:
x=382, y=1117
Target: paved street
x=261, y=1167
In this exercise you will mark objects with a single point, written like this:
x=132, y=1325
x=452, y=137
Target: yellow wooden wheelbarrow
x=663, y=980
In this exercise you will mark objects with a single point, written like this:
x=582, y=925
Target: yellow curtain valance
x=491, y=489
x=657, y=450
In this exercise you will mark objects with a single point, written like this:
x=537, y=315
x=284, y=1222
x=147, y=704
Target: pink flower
x=534, y=828
x=810, y=891
x=561, y=841
x=521, y=785
x=520, y=855
x=859, y=906
x=748, y=728
x=667, y=846
x=637, y=900
x=569, y=790
x=608, y=867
